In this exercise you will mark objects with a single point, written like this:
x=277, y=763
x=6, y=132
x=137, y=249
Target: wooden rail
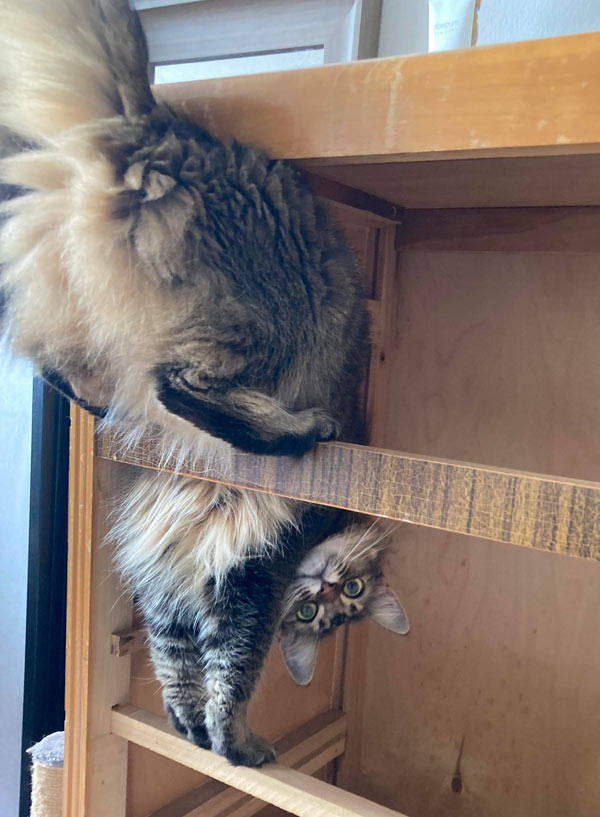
x=289, y=789
x=488, y=101
x=551, y=513
x=307, y=749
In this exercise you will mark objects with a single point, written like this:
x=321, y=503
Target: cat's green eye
x=353, y=588
x=307, y=612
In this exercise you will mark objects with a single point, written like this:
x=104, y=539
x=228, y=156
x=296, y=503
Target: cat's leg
x=177, y=660
x=248, y=606
x=250, y=420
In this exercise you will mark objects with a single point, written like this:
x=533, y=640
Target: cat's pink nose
x=326, y=587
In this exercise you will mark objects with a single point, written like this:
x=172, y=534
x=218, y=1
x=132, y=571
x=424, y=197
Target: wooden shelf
x=289, y=789
x=307, y=750
x=525, y=98
x=469, y=184
x=551, y=513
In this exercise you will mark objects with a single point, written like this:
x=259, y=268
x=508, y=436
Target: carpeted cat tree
x=47, y=776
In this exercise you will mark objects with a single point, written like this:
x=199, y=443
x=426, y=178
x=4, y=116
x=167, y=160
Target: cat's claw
x=255, y=751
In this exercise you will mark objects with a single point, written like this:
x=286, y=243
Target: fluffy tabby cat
x=154, y=273
x=210, y=625
x=162, y=277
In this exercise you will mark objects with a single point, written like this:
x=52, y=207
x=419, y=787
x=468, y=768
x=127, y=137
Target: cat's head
x=337, y=581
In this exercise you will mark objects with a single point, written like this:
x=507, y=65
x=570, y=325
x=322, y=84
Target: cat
x=338, y=580
x=155, y=274
x=211, y=619
x=167, y=280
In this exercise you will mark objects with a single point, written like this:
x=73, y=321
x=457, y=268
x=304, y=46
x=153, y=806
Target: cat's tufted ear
x=387, y=611
x=300, y=655
x=156, y=211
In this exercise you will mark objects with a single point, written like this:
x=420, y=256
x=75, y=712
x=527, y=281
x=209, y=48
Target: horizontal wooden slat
x=286, y=788
x=520, y=98
x=307, y=749
x=551, y=513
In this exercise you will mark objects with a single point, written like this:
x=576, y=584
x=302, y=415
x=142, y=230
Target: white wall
x=404, y=23
x=502, y=21
x=15, y=456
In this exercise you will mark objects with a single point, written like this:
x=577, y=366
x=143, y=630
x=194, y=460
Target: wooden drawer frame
x=342, y=121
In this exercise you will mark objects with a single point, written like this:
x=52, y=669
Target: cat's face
x=337, y=581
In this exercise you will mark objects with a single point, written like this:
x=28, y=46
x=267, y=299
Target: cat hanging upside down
x=209, y=630
x=166, y=279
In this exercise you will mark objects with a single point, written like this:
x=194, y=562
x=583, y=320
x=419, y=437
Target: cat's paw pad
x=255, y=751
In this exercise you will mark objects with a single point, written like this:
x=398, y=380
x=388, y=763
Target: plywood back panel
x=491, y=356
x=503, y=653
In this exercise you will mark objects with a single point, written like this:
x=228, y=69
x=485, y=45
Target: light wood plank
x=286, y=788
x=551, y=513
x=307, y=750
x=479, y=101
x=95, y=760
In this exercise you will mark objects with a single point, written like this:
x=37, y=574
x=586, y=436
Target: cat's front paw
x=253, y=751
x=195, y=732
x=325, y=427
x=317, y=426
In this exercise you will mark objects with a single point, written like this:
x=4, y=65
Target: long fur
x=209, y=567
x=154, y=274
x=194, y=289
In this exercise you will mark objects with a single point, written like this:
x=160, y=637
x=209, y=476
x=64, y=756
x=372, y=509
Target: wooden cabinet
x=469, y=184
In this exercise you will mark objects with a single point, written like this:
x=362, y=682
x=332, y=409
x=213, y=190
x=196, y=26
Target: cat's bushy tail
x=65, y=63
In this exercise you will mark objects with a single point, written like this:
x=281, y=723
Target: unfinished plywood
x=308, y=749
x=503, y=654
x=490, y=356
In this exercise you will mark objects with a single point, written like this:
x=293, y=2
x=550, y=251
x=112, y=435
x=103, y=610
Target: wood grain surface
x=502, y=181
x=307, y=749
x=286, y=788
x=479, y=101
x=490, y=354
x=95, y=760
x=554, y=514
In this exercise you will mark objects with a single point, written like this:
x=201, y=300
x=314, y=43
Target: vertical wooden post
x=95, y=760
